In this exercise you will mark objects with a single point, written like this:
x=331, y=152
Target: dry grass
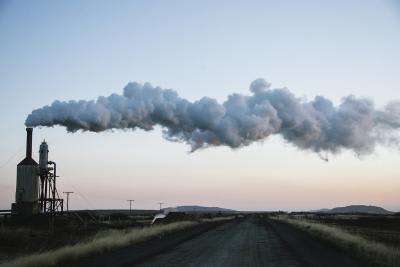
x=102, y=242
x=380, y=254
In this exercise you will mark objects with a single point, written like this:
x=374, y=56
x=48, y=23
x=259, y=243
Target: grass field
x=374, y=238
x=32, y=235
x=101, y=242
x=379, y=228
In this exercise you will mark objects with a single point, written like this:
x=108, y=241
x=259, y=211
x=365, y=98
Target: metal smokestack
x=29, y=143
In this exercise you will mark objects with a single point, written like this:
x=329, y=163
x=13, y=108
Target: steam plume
x=317, y=125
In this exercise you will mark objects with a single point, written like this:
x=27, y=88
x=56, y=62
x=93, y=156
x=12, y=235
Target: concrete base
x=25, y=208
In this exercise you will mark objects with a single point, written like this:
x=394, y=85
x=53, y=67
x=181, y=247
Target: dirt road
x=234, y=244
x=250, y=242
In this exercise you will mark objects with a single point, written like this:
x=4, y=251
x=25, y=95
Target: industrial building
x=36, y=191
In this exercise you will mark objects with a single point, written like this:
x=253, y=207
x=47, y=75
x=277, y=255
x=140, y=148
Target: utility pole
x=160, y=203
x=130, y=205
x=68, y=193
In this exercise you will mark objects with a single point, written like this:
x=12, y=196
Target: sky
x=84, y=49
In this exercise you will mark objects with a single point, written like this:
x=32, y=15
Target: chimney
x=29, y=143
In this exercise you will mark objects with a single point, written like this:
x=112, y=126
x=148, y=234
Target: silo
x=43, y=156
x=26, y=195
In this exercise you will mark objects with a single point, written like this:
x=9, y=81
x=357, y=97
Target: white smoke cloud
x=317, y=125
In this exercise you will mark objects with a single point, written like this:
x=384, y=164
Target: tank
x=27, y=184
x=27, y=189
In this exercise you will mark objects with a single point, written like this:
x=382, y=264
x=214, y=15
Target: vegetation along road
x=245, y=242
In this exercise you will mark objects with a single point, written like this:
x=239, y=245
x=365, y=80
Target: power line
x=76, y=189
x=4, y=163
x=160, y=203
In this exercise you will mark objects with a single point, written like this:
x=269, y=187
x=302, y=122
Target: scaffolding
x=49, y=200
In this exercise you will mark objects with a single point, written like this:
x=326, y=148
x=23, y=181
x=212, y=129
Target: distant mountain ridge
x=196, y=209
x=356, y=209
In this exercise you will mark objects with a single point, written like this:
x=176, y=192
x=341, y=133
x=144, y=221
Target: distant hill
x=320, y=210
x=121, y=211
x=356, y=209
x=197, y=209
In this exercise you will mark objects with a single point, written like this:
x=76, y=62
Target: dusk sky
x=79, y=50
